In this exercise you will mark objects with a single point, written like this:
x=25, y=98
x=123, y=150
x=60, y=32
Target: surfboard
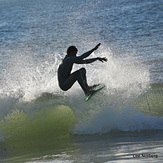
x=95, y=90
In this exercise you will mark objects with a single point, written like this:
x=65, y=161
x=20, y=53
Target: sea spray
x=126, y=79
x=27, y=77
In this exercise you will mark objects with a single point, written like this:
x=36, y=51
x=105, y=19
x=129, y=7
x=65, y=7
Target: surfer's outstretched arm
x=85, y=55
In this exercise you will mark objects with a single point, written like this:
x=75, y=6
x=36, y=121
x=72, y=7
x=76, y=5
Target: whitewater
x=111, y=107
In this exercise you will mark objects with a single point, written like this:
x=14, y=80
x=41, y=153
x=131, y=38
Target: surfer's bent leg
x=82, y=80
x=80, y=76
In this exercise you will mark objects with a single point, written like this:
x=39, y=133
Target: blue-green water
x=40, y=123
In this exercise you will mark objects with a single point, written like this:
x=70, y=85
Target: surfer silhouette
x=66, y=79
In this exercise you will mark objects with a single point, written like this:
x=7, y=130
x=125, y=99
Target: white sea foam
x=110, y=119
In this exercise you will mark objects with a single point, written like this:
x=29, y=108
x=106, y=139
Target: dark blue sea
x=39, y=123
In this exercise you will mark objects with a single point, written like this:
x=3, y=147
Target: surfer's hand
x=102, y=59
x=96, y=47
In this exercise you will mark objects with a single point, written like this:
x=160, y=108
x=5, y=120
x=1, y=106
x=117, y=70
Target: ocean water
x=39, y=123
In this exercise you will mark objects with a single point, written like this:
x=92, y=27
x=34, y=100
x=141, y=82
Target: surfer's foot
x=88, y=92
x=90, y=89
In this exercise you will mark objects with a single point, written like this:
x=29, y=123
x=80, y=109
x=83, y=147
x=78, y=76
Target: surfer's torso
x=65, y=68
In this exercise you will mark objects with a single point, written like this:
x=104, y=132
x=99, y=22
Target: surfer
x=66, y=79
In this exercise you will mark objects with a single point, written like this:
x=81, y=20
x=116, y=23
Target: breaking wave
x=31, y=100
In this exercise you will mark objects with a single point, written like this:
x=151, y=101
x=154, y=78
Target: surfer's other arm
x=86, y=61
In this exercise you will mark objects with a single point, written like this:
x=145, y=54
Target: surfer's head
x=72, y=51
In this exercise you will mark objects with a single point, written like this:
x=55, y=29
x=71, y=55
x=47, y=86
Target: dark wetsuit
x=66, y=79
